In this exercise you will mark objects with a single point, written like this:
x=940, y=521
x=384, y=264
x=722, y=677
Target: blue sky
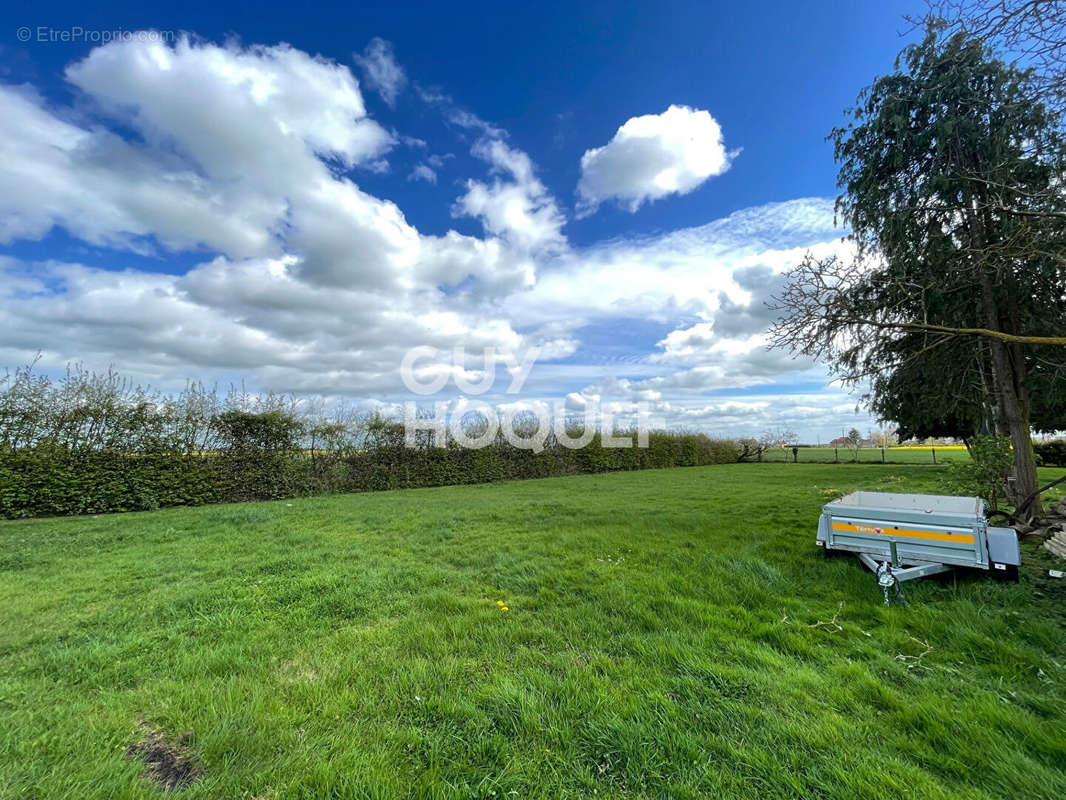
x=440, y=175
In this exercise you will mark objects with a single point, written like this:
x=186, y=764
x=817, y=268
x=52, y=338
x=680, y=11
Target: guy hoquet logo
x=448, y=416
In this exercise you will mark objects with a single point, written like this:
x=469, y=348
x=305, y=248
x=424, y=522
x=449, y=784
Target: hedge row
x=49, y=481
x=1050, y=454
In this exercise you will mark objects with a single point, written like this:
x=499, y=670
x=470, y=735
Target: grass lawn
x=669, y=634
x=870, y=455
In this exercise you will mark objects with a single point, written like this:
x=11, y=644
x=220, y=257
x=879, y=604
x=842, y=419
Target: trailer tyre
x=1005, y=573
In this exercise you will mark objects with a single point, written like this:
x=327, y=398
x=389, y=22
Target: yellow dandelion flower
x=499, y=603
x=504, y=608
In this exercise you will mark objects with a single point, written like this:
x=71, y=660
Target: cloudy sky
x=296, y=199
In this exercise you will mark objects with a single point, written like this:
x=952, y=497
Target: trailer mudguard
x=1003, y=546
x=823, y=531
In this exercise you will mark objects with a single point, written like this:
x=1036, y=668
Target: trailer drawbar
x=905, y=536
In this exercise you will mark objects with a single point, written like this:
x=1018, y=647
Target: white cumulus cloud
x=516, y=206
x=653, y=156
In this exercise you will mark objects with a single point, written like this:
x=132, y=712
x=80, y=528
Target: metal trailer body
x=905, y=536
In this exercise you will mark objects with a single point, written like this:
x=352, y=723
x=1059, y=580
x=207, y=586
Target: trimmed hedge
x=1050, y=454
x=51, y=481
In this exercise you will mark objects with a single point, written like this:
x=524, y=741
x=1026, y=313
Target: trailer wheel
x=1004, y=573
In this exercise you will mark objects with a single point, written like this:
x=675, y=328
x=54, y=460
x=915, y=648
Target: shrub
x=987, y=475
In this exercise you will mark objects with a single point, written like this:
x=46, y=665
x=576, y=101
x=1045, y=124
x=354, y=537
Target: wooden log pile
x=1056, y=530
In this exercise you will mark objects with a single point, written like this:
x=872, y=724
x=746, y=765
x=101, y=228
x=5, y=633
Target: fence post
x=934, y=454
x=836, y=455
x=882, y=455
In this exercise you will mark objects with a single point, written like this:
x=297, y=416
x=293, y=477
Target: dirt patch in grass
x=168, y=763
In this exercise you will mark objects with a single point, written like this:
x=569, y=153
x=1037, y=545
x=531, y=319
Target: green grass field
x=869, y=455
x=669, y=634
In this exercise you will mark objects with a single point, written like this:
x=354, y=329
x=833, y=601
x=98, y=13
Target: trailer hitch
x=887, y=580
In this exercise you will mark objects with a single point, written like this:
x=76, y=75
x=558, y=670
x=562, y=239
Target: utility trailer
x=905, y=536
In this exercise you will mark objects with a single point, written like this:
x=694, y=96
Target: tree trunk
x=1008, y=368
x=1014, y=410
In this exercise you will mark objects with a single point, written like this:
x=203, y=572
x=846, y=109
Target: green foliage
x=48, y=481
x=986, y=476
x=670, y=634
x=93, y=443
x=937, y=392
x=925, y=145
x=1052, y=453
x=264, y=431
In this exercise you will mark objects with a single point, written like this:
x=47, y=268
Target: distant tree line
x=92, y=443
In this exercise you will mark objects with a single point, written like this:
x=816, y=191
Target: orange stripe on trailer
x=907, y=533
